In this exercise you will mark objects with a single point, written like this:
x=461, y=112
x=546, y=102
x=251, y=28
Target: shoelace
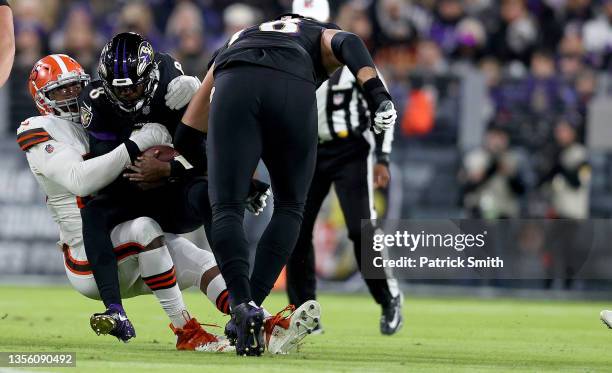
x=279, y=316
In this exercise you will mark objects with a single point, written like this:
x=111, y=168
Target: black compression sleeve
x=191, y=144
x=350, y=50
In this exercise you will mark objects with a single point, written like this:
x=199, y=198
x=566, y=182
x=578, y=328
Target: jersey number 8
x=288, y=26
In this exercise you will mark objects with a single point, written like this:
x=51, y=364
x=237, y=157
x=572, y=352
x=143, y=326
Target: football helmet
x=57, y=75
x=128, y=71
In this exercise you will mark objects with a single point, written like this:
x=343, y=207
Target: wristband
x=132, y=149
x=375, y=92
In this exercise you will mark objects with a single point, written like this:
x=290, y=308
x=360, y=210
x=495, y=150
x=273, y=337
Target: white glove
x=151, y=134
x=258, y=196
x=385, y=117
x=180, y=91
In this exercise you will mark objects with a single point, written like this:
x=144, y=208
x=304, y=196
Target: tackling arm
x=190, y=133
x=65, y=166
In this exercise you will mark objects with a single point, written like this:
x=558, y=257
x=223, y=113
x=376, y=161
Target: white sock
x=216, y=291
x=157, y=271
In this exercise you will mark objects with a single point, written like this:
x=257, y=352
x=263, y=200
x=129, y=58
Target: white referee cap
x=317, y=9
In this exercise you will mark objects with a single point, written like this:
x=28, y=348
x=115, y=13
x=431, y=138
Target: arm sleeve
x=191, y=144
x=66, y=167
x=384, y=139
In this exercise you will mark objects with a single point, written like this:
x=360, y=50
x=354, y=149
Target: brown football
x=166, y=153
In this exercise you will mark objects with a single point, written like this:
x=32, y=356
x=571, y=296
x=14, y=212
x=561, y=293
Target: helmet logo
x=102, y=71
x=86, y=115
x=145, y=57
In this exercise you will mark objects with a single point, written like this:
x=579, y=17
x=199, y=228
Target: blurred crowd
x=553, y=47
x=540, y=61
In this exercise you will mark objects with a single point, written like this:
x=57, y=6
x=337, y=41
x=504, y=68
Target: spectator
x=185, y=29
x=471, y=40
x=598, y=37
x=239, y=16
x=79, y=39
x=491, y=180
x=569, y=178
x=136, y=16
x=430, y=59
x=516, y=35
x=444, y=27
x=394, y=21
x=542, y=85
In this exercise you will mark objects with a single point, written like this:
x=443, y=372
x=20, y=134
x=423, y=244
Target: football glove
x=385, y=117
x=180, y=91
x=258, y=196
x=149, y=135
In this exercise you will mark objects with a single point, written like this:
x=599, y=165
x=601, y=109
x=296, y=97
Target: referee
x=344, y=158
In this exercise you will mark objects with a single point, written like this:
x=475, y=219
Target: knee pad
x=141, y=230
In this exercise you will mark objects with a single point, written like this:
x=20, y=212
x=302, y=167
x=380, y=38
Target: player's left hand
x=381, y=176
x=385, y=117
x=258, y=196
x=180, y=91
x=148, y=169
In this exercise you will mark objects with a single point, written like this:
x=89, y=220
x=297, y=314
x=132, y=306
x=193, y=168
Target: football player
x=137, y=86
x=56, y=145
x=264, y=106
x=344, y=157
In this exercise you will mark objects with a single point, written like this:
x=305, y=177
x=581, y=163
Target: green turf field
x=439, y=335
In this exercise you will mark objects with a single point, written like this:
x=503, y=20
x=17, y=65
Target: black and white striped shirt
x=343, y=111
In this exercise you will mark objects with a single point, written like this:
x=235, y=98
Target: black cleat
x=249, y=328
x=392, y=320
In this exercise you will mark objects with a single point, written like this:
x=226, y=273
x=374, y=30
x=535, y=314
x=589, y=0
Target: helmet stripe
x=60, y=63
x=116, y=69
x=125, y=68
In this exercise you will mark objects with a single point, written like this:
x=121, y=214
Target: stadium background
x=455, y=68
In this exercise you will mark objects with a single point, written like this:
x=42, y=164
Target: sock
x=157, y=271
x=217, y=292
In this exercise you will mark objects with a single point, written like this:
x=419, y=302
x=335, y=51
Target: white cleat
x=284, y=333
x=606, y=318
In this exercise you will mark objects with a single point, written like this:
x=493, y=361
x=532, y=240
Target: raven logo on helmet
x=145, y=57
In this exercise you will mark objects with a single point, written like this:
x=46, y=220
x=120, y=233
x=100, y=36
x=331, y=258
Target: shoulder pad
x=33, y=131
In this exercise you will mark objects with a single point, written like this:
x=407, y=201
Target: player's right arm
x=340, y=48
x=64, y=165
x=191, y=132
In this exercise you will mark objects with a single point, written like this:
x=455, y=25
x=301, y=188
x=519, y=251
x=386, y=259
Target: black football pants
x=345, y=163
x=257, y=112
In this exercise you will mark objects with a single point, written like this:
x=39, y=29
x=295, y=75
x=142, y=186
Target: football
x=166, y=153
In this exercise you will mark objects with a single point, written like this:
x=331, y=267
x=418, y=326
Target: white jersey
x=55, y=149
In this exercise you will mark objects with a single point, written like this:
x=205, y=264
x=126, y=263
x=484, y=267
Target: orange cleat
x=193, y=337
x=285, y=330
